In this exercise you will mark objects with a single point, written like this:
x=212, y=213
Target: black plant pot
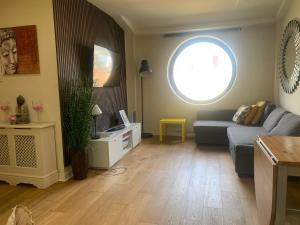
x=79, y=163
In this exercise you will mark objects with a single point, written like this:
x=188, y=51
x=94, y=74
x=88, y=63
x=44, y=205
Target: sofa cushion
x=268, y=109
x=261, y=107
x=251, y=114
x=244, y=135
x=289, y=125
x=214, y=123
x=241, y=113
x=212, y=132
x=274, y=118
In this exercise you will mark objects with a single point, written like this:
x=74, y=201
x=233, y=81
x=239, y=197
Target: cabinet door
x=115, y=150
x=136, y=134
x=265, y=176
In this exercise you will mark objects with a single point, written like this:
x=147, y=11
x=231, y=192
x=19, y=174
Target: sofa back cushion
x=268, y=109
x=289, y=125
x=218, y=115
x=273, y=118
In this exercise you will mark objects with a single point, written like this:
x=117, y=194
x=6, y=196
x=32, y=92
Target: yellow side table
x=165, y=121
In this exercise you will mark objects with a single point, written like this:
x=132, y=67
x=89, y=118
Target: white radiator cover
x=28, y=154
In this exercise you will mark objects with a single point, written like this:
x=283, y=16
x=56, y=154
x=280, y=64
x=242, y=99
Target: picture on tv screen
x=106, y=70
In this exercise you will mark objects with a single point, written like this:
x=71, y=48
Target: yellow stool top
x=172, y=120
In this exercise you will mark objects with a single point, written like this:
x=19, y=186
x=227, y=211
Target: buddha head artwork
x=8, y=52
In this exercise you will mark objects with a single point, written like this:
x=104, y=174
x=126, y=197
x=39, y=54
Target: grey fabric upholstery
x=289, y=125
x=241, y=142
x=212, y=132
x=268, y=109
x=218, y=115
x=274, y=118
x=217, y=128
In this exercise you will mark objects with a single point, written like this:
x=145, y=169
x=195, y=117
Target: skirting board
x=66, y=175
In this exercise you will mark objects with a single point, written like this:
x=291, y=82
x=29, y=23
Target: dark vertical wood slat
x=78, y=26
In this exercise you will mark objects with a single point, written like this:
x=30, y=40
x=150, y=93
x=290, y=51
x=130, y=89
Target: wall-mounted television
x=106, y=67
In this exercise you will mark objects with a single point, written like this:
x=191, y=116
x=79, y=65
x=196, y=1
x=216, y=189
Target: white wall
x=44, y=86
x=290, y=102
x=254, y=48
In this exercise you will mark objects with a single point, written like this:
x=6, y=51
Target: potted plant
x=77, y=122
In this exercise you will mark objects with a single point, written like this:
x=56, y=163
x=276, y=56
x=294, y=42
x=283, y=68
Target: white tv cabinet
x=28, y=154
x=104, y=152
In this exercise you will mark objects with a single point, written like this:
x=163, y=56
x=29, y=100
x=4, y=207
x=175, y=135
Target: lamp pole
x=144, y=69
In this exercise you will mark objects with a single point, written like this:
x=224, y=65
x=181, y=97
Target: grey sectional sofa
x=217, y=128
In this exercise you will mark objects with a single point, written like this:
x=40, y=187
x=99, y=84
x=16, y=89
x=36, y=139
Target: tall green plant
x=77, y=113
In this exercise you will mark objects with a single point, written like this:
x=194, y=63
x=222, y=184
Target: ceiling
x=155, y=16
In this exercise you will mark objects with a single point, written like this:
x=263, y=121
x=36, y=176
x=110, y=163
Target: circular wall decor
x=289, y=58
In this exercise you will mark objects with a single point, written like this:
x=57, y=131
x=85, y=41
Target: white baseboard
x=66, y=175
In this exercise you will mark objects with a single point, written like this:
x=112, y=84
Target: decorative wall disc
x=289, y=58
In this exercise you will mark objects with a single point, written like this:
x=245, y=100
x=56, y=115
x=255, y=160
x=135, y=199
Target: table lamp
x=96, y=111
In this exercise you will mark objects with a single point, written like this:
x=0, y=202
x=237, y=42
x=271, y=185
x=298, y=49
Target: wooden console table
x=275, y=159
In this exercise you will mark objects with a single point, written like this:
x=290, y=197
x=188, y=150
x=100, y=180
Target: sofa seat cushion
x=274, y=118
x=214, y=123
x=245, y=135
x=212, y=132
x=289, y=125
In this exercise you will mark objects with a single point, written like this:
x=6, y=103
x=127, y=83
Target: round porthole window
x=202, y=70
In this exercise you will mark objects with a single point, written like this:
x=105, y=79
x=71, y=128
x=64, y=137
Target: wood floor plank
x=155, y=184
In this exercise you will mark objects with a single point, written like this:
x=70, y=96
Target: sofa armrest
x=219, y=115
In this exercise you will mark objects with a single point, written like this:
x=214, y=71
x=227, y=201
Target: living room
x=164, y=142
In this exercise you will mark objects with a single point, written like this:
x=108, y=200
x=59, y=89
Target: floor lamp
x=144, y=71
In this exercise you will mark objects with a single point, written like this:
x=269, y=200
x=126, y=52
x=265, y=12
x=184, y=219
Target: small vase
x=79, y=163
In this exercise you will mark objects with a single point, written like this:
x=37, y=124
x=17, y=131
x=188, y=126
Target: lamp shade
x=96, y=111
x=145, y=68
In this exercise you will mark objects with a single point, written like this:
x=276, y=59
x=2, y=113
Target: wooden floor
x=168, y=184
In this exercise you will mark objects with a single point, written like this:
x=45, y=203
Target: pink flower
x=4, y=107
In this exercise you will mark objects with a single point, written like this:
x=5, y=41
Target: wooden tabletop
x=286, y=150
x=172, y=120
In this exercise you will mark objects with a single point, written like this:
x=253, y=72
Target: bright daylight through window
x=202, y=70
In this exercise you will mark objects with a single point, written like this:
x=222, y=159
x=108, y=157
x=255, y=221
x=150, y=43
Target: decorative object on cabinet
x=27, y=154
x=77, y=123
x=22, y=112
x=124, y=118
x=12, y=119
x=38, y=107
x=96, y=111
x=289, y=62
x=144, y=71
x=275, y=159
x=112, y=146
x=21, y=50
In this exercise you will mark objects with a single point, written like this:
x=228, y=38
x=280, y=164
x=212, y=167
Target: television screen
x=106, y=70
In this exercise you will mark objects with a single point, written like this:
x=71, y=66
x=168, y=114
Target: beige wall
x=290, y=102
x=254, y=48
x=131, y=73
x=44, y=86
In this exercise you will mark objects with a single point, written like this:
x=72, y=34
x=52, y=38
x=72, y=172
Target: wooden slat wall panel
x=78, y=26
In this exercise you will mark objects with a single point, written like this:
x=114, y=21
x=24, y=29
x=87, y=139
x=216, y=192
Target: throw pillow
x=251, y=114
x=260, y=111
x=241, y=114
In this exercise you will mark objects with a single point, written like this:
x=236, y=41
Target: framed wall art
x=19, y=51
